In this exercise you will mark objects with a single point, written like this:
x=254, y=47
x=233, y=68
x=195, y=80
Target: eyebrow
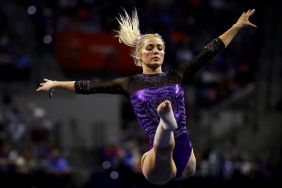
x=153, y=44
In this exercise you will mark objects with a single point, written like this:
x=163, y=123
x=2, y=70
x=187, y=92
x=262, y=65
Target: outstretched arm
x=115, y=86
x=214, y=47
x=243, y=21
x=50, y=85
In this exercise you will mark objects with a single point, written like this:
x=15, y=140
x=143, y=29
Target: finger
x=251, y=12
x=242, y=14
x=252, y=25
x=45, y=79
x=41, y=84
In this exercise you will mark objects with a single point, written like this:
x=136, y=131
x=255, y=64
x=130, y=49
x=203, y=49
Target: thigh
x=143, y=158
x=190, y=167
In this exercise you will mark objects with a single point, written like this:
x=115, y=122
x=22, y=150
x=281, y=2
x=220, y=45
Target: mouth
x=156, y=58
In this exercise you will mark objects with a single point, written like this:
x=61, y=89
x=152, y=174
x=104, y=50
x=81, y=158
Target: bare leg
x=190, y=167
x=157, y=164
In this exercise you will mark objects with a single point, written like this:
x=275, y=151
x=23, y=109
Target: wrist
x=56, y=84
x=236, y=26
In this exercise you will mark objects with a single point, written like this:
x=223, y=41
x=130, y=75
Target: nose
x=155, y=51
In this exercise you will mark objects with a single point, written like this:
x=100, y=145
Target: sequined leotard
x=147, y=91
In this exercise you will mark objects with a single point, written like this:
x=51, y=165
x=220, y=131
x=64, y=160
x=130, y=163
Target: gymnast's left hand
x=243, y=20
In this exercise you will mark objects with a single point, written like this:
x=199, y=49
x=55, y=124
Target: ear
x=138, y=57
x=138, y=62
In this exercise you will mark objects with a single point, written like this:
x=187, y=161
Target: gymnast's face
x=152, y=52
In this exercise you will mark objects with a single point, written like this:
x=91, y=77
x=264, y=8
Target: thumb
x=252, y=25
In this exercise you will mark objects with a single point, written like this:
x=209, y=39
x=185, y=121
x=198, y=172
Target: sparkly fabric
x=146, y=101
x=147, y=91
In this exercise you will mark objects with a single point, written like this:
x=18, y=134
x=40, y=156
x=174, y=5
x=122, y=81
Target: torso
x=145, y=100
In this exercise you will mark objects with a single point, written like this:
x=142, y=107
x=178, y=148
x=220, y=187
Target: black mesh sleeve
x=116, y=86
x=187, y=70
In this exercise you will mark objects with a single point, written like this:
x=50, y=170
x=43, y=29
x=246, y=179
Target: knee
x=158, y=182
x=159, y=174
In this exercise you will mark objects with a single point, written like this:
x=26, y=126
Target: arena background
x=233, y=104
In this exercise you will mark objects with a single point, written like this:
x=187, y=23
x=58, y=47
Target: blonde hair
x=129, y=29
x=129, y=33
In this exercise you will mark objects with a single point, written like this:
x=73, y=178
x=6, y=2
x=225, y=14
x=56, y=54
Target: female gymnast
x=157, y=97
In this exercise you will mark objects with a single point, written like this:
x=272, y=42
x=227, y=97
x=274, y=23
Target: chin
x=155, y=65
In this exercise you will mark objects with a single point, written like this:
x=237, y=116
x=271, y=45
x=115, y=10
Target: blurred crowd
x=120, y=166
x=30, y=149
x=28, y=136
x=186, y=26
x=28, y=146
x=14, y=60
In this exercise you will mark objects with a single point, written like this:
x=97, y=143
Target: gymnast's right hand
x=48, y=85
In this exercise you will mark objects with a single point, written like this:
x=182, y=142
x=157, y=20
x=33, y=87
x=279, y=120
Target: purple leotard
x=147, y=91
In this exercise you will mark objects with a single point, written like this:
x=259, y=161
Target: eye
x=160, y=47
x=149, y=47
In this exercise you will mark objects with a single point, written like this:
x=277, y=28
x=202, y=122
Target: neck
x=152, y=71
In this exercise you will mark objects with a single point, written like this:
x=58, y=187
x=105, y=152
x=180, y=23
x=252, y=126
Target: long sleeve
x=210, y=50
x=115, y=86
